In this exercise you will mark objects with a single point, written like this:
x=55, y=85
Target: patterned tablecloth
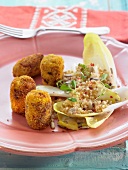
x=114, y=158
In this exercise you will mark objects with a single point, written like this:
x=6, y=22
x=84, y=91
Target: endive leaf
x=95, y=51
x=67, y=122
x=107, y=94
x=96, y=121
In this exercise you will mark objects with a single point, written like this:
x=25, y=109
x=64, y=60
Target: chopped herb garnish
x=104, y=76
x=65, y=87
x=72, y=99
x=107, y=85
x=59, y=83
x=73, y=84
x=82, y=65
x=83, y=77
x=85, y=70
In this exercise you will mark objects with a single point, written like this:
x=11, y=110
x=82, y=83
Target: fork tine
x=10, y=30
x=12, y=33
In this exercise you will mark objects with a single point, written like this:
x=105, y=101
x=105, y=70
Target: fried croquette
x=51, y=67
x=29, y=66
x=19, y=88
x=38, y=107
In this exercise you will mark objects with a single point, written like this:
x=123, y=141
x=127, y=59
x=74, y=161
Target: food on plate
x=84, y=97
x=72, y=123
x=53, y=91
x=91, y=88
x=87, y=97
x=90, y=98
x=19, y=88
x=38, y=108
x=96, y=52
x=89, y=105
x=52, y=67
x=29, y=65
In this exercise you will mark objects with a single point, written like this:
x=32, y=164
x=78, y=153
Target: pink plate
x=15, y=134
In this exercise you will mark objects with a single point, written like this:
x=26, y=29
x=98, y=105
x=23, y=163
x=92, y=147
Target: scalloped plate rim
x=75, y=145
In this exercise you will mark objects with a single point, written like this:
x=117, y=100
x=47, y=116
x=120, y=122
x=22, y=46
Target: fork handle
x=83, y=30
x=59, y=29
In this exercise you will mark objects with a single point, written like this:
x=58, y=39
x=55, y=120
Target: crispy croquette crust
x=19, y=88
x=29, y=65
x=51, y=67
x=38, y=107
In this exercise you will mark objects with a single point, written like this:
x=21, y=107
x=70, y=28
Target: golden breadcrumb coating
x=38, y=107
x=19, y=88
x=52, y=67
x=29, y=65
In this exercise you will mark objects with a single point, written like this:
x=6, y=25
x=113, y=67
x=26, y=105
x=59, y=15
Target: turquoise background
x=92, y=4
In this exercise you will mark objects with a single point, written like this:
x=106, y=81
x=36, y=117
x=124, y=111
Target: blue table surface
x=114, y=158
x=90, y=4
